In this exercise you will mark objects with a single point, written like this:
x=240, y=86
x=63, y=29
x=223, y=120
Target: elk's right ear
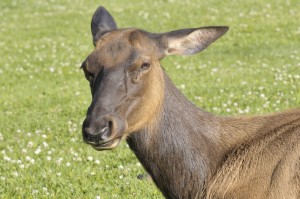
x=102, y=22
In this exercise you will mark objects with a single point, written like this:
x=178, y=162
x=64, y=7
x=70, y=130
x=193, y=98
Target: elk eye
x=145, y=66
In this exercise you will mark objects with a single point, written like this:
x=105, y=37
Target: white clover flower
x=45, y=145
x=35, y=191
x=262, y=95
x=51, y=69
x=247, y=110
x=6, y=158
x=37, y=151
x=38, y=131
x=27, y=158
x=32, y=161
x=59, y=160
x=30, y=144
x=214, y=70
x=182, y=86
x=15, y=174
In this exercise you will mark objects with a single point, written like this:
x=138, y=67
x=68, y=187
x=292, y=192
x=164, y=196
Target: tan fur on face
x=153, y=84
x=151, y=102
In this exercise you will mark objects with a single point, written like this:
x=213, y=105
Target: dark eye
x=145, y=66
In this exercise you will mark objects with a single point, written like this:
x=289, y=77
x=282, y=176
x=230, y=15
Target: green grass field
x=253, y=69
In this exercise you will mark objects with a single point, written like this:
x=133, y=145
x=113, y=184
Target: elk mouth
x=106, y=145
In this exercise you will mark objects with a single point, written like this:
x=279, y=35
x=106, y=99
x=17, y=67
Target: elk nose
x=99, y=130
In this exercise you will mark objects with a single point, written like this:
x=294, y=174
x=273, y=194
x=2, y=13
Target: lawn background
x=253, y=69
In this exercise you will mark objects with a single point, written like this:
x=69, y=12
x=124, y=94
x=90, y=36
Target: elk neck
x=182, y=149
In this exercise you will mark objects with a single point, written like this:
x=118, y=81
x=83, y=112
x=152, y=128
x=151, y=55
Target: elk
x=188, y=152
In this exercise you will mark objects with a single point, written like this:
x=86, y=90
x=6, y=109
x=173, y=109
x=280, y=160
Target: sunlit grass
x=253, y=69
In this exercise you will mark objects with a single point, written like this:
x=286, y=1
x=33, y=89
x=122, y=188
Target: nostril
x=106, y=131
x=110, y=124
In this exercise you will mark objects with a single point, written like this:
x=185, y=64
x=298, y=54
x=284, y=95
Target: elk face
x=126, y=79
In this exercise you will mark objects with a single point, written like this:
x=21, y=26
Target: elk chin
x=107, y=145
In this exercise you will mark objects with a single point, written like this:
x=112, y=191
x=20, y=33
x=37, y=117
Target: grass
x=253, y=69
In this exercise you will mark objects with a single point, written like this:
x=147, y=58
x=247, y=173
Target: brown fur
x=242, y=157
x=264, y=165
x=188, y=152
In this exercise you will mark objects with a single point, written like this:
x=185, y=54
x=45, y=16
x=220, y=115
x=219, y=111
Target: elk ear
x=191, y=41
x=102, y=22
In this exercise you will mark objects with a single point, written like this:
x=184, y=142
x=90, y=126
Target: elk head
x=126, y=79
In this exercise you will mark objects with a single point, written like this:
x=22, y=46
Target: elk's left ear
x=191, y=41
x=102, y=22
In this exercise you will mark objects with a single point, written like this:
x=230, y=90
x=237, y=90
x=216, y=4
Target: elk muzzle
x=103, y=133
